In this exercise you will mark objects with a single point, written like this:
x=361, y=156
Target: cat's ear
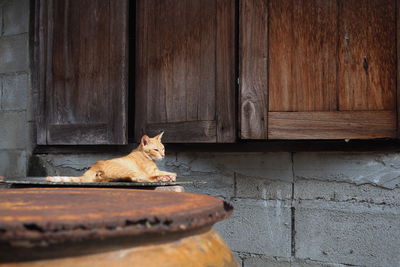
x=145, y=140
x=159, y=136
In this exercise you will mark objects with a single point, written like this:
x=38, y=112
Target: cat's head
x=153, y=147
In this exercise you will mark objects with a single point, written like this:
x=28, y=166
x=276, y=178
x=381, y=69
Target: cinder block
x=347, y=233
x=74, y=165
x=217, y=185
x=12, y=163
x=14, y=53
x=275, y=166
x=358, y=168
x=342, y=191
x=258, y=226
x=13, y=131
x=15, y=90
x=16, y=17
x=256, y=261
x=258, y=175
x=262, y=188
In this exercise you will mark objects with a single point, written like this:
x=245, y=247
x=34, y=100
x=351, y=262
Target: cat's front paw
x=166, y=178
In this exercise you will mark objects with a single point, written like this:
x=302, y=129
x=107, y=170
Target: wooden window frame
x=243, y=145
x=112, y=129
x=254, y=94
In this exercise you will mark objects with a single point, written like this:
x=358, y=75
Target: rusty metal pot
x=110, y=227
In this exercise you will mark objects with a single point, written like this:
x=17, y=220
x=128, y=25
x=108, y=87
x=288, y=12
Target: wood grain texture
x=181, y=43
x=118, y=72
x=225, y=72
x=78, y=134
x=253, y=79
x=186, y=65
x=194, y=131
x=398, y=66
x=332, y=69
x=332, y=125
x=280, y=37
x=206, y=106
x=303, y=45
x=142, y=76
x=367, y=55
x=40, y=61
x=84, y=68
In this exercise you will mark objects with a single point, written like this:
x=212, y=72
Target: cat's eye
x=156, y=149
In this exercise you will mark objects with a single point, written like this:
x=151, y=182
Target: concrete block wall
x=329, y=209
x=15, y=114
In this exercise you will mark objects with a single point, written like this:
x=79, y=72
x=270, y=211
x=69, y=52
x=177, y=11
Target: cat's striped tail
x=64, y=179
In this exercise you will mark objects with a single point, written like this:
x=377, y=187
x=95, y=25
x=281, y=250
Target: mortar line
x=2, y=21
x=13, y=35
x=293, y=233
x=292, y=213
x=1, y=93
x=234, y=185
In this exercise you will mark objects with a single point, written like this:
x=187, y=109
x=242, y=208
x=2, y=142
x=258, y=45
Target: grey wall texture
x=291, y=209
x=330, y=209
x=15, y=89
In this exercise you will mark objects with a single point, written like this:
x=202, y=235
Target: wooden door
x=185, y=73
x=324, y=69
x=81, y=68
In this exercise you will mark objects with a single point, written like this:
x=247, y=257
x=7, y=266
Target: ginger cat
x=138, y=166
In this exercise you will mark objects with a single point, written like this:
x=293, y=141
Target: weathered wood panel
x=194, y=131
x=398, y=66
x=142, y=72
x=367, y=55
x=332, y=125
x=225, y=72
x=85, y=70
x=78, y=134
x=118, y=72
x=303, y=49
x=280, y=39
x=40, y=61
x=253, y=81
x=206, y=97
x=181, y=43
x=332, y=70
x=186, y=66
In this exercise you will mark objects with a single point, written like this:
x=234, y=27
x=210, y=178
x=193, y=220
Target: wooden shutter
x=185, y=73
x=318, y=69
x=81, y=64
